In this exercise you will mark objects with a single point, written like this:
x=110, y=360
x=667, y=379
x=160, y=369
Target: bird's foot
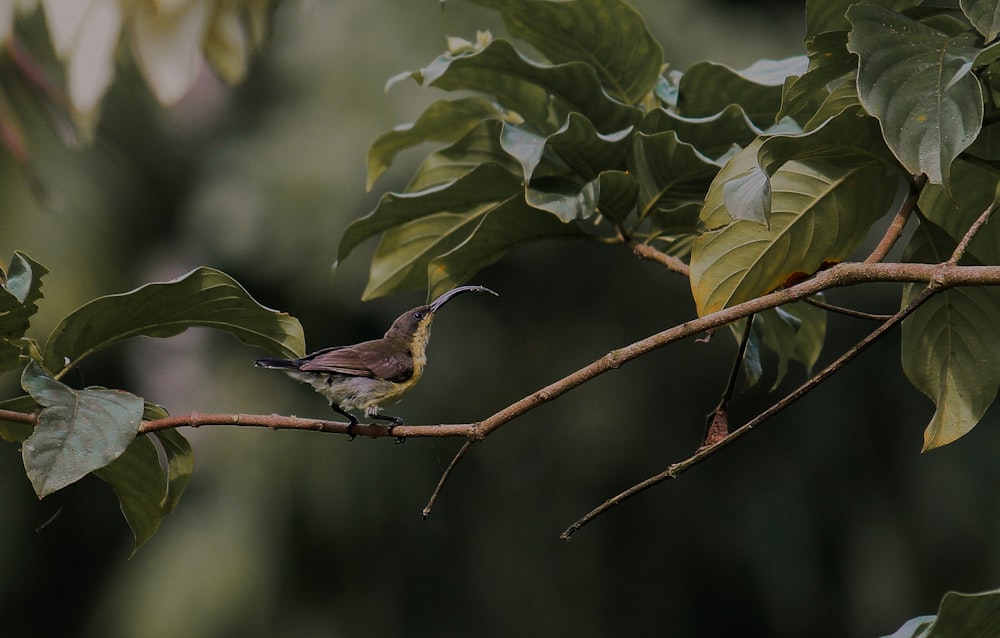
x=350, y=430
x=392, y=426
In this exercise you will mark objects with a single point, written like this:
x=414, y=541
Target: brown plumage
x=366, y=375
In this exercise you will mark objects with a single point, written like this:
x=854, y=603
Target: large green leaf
x=179, y=465
x=707, y=88
x=20, y=288
x=482, y=145
x=820, y=213
x=608, y=35
x=918, y=82
x=78, y=431
x=204, y=297
x=850, y=139
x=951, y=345
x=443, y=121
x=543, y=94
x=503, y=227
x=984, y=15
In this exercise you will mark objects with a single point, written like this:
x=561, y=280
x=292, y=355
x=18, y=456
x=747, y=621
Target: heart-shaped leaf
x=918, y=82
x=78, y=431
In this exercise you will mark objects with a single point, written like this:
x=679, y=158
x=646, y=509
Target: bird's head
x=415, y=325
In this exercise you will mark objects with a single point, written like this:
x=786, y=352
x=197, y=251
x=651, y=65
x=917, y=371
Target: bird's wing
x=359, y=362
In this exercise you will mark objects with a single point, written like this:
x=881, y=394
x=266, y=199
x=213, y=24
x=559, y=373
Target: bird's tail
x=278, y=364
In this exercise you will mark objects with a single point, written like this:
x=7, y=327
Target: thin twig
x=645, y=251
x=850, y=312
x=444, y=477
x=676, y=469
x=895, y=228
x=976, y=226
x=717, y=421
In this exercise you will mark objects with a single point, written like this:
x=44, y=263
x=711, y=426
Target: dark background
x=827, y=521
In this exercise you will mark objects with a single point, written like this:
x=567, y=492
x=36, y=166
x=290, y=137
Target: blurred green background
x=826, y=522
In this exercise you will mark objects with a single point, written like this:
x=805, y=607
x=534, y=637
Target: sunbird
x=367, y=375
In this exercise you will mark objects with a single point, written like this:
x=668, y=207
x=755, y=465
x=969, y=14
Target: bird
x=366, y=375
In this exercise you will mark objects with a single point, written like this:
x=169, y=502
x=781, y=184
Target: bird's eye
x=418, y=315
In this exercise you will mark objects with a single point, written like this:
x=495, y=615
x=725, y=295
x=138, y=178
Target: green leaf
x=820, y=213
x=823, y=16
x=204, y=297
x=670, y=173
x=78, y=431
x=975, y=179
x=443, y=121
x=919, y=83
x=951, y=345
x=795, y=332
x=617, y=195
x=402, y=258
x=481, y=145
x=543, y=94
x=714, y=136
x=20, y=288
x=505, y=226
x=139, y=483
x=828, y=61
x=984, y=15
x=180, y=466
x=707, y=88
x=608, y=35
x=563, y=197
x=576, y=150
x=958, y=615
x=484, y=183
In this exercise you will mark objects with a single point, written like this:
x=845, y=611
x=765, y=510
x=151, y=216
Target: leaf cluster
x=754, y=178
x=77, y=432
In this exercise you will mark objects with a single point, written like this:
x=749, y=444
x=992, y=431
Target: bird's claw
x=389, y=428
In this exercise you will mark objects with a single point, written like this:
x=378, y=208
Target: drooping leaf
x=984, y=15
x=180, y=466
x=795, y=332
x=500, y=229
x=951, y=345
x=565, y=198
x=820, y=213
x=918, y=82
x=78, y=431
x=443, y=121
x=707, y=88
x=608, y=35
x=204, y=297
x=140, y=485
x=543, y=94
x=20, y=289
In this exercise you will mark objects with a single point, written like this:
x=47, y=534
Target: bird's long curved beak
x=444, y=298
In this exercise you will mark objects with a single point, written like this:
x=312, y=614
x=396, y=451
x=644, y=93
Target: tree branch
x=895, y=228
x=645, y=251
x=676, y=469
